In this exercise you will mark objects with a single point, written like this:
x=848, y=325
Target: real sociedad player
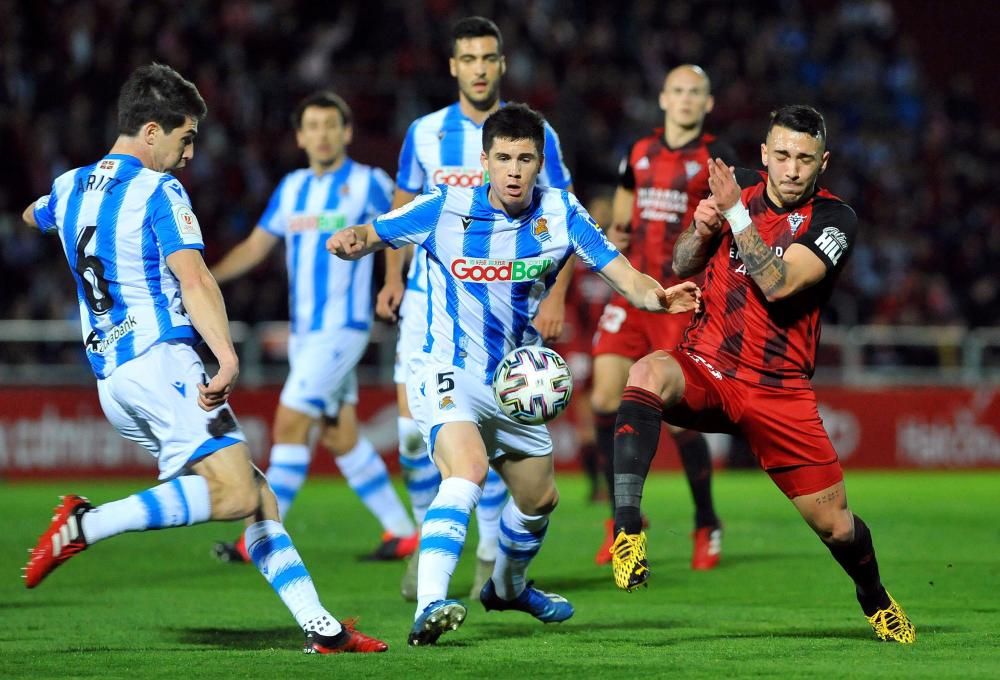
x=493, y=252
x=444, y=148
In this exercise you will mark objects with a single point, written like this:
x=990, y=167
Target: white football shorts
x=153, y=400
x=440, y=393
x=321, y=371
x=412, y=335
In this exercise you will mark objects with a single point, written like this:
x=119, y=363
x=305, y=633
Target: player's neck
x=676, y=136
x=128, y=146
x=512, y=210
x=319, y=169
x=474, y=113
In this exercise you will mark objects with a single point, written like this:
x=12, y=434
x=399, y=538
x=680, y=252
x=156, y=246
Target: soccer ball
x=532, y=385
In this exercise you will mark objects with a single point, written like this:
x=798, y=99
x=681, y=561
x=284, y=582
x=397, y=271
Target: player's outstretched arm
x=777, y=277
x=245, y=255
x=645, y=292
x=354, y=243
x=619, y=232
x=204, y=304
x=29, y=215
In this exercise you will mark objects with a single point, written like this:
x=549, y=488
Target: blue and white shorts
x=322, y=371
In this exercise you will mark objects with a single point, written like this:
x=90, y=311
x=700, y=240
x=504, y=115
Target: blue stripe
x=70, y=220
x=406, y=162
x=298, y=468
x=372, y=485
x=525, y=245
x=554, y=174
x=378, y=200
x=356, y=324
x=179, y=488
x=451, y=311
x=441, y=544
x=268, y=545
x=519, y=554
x=433, y=438
x=411, y=463
x=285, y=577
x=294, y=244
x=210, y=446
x=476, y=243
x=494, y=500
x=522, y=536
x=151, y=267
x=452, y=137
x=431, y=482
x=107, y=251
x=153, y=512
x=303, y=195
x=284, y=492
x=321, y=274
x=447, y=514
x=429, y=337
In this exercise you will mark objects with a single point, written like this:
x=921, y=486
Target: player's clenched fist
x=707, y=217
x=684, y=297
x=345, y=244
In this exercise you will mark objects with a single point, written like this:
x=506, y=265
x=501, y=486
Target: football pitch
x=155, y=605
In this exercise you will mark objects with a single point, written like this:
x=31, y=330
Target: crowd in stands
x=916, y=161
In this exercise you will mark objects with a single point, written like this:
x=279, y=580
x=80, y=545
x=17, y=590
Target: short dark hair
x=160, y=94
x=325, y=99
x=800, y=118
x=475, y=27
x=514, y=121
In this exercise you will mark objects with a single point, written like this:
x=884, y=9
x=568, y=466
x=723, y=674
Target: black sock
x=697, y=462
x=858, y=559
x=604, y=427
x=636, y=436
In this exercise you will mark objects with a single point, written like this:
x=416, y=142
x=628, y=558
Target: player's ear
x=482, y=159
x=453, y=67
x=150, y=131
x=709, y=104
x=824, y=159
x=663, y=100
x=348, y=135
x=300, y=139
x=763, y=154
x=503, y=65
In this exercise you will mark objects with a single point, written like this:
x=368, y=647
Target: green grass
x=155, y=605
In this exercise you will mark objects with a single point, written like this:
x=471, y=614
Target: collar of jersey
x=338, y=174
x=124, y=158
x=782, y=210
x=458, y=109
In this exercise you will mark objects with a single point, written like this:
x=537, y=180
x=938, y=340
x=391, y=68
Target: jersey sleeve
x=413, y=222
x=411, y=176
x=747, y=178
x=379, y=195
x=831, y=233
x=586, y=236
x=626, y=176
x=274, y=219
x=554, y=173
x=172, y=219
x=45, y=211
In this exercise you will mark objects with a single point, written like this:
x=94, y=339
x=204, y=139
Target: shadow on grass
x=238, y=638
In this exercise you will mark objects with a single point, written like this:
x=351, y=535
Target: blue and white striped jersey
x=443, y=148
x=118, y=222
x=326, y=293
x=487, y=272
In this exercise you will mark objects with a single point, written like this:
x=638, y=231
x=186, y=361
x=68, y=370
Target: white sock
x=488, y=516
x=442, y=537
x=182, y=501
x=419, y=472
x=520, y=539
x=366, y=473
x=271, y=550
x=286, y=473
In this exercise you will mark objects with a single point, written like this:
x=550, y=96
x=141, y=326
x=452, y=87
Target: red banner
x=63, y=432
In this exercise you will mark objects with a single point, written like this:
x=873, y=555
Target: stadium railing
x=50, y=353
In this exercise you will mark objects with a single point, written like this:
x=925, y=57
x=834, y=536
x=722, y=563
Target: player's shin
x=274, y=555
x=183, y=501
x=286, y=473
x=857, y=558
x=636, y=437
x=520, y=539
x=442, y=538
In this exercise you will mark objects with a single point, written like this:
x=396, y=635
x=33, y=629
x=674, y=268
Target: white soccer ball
x=532, y=385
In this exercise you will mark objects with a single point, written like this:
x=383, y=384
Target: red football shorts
x=781, y=424
x=634, y=333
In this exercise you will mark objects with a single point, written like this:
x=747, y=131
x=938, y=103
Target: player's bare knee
x=339, y=442
x=658, y=374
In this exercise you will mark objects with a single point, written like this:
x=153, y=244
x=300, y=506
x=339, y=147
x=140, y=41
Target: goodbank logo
x=456, y=176
x=506, y=271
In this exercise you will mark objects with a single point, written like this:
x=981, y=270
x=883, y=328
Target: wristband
x=738, y=217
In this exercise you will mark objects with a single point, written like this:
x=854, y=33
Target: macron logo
x=181, y=388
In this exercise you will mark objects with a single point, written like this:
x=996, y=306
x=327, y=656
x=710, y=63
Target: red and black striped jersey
x=668, y=183
x=738, y=331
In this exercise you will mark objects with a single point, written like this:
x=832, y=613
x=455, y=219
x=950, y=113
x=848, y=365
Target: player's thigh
x=459, y=451
x=784, y=429
x=291, y=426
x=709, y=401
x=531, y=482
x=319, y=365
x=609, y=376
x=153, y=400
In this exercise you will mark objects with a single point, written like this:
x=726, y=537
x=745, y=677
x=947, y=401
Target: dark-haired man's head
x=477, y=61
x=794, y=153
x=513, y=154
x=323, y=128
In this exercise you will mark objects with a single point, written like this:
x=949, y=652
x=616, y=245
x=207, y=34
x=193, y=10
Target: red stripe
x=642, y=396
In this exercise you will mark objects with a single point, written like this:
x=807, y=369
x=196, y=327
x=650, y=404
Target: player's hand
x=620, y=236
x=722, y=182
x=389, y=298
x=550, y=318
x=217, y=391
x=684, y=297
x=708, y=218
x=345, y=244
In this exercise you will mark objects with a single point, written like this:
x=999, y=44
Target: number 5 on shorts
x=446, y=383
